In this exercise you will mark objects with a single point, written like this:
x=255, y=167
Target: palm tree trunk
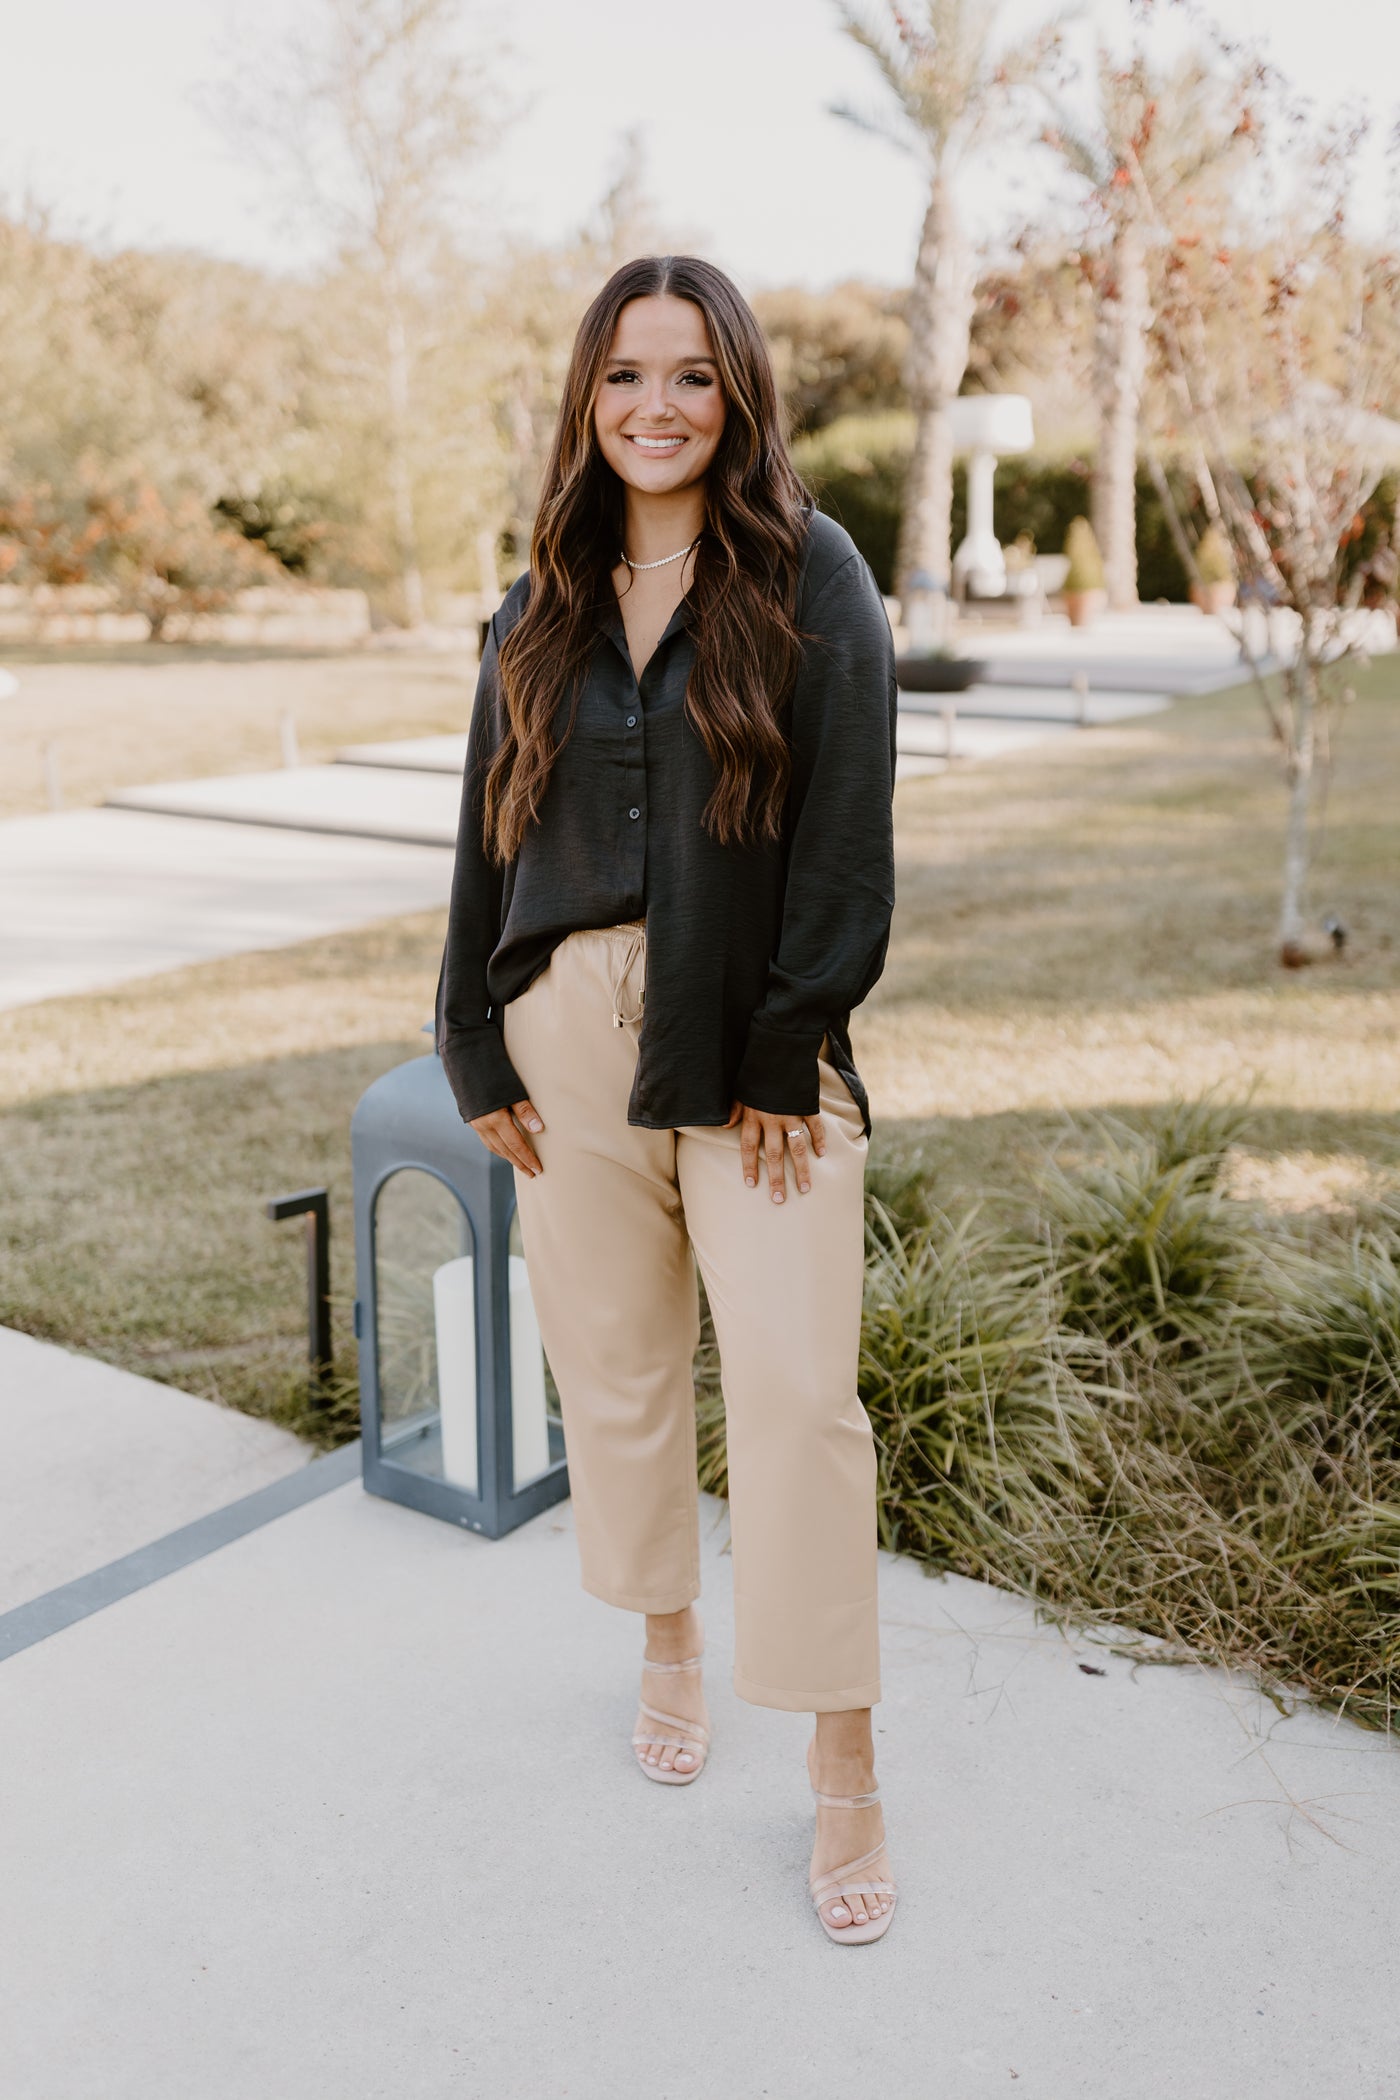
x=1124, y=319
x=940, y=334
x=926, y=526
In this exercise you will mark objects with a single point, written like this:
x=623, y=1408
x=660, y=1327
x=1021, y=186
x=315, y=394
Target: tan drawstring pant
x=608, y=1231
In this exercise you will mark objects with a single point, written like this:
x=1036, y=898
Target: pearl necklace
x=666, y=559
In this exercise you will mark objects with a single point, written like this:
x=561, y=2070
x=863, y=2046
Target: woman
x=674, y=880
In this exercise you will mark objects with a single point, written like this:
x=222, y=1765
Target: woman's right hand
x=499, y=1134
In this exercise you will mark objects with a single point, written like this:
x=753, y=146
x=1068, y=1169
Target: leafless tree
x=1284, y=349
x=369, y=119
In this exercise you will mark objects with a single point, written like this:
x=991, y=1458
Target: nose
x=656, y=405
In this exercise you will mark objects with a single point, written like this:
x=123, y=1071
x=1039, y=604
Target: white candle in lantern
x=454, y=1319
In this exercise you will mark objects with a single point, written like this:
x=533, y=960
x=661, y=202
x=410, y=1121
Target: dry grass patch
x=122, y=718
x=1090, y=925
x=142, y=1128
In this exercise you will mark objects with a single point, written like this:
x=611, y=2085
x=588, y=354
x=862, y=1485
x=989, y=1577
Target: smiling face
x=659, y=409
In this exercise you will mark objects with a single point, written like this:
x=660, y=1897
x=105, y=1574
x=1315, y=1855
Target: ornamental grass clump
x=1145, y=1405
x=964, y=1384
x=1335, y=1326
x=1145, y=1250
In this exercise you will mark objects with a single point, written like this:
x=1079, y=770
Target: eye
x=696, y=379
x=622, y=374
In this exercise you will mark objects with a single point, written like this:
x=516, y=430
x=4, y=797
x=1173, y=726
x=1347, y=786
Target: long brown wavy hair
x=743, y=594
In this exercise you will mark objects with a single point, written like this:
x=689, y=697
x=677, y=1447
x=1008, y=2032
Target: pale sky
x=98, y=118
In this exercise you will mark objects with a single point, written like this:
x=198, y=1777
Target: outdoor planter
x=1081, y=607
x=460, y=1418
x=939, y=674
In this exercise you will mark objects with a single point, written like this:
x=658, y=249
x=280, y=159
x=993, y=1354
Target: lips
x=656, y=447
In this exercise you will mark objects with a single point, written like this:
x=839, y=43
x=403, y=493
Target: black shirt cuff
x=778, y=1073
x=480, y=1074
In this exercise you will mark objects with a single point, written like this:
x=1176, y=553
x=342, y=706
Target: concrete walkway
x=409, y=791
x=345, y=1811
x=94, y=897
x=98, y=1462
x=181, y=872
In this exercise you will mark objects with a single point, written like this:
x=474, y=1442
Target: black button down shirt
x=754, y=953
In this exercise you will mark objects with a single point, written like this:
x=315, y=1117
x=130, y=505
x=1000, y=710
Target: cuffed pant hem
x=808, y=1702
x=668, y=1601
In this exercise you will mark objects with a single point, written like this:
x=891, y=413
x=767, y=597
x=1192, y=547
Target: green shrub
x=856, y=468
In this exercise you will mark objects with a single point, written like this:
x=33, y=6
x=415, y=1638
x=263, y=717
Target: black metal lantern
x=460, y=1414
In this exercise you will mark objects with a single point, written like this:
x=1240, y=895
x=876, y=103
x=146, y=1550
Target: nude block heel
x=691, y=1736
x=844, y=1883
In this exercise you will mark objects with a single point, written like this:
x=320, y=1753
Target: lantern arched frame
x=407, y=1121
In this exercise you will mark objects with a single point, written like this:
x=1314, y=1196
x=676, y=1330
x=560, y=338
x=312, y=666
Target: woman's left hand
x=760, y=1132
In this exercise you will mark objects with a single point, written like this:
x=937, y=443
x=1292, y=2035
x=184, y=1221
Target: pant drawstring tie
x=633, y=949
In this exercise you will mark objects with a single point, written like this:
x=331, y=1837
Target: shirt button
x=634, y=812
x=631, y=721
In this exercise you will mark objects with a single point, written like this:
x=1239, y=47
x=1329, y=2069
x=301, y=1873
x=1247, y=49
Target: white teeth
x=658, y=444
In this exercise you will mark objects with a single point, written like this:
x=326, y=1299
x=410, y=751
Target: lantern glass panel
x=425, y=1297
x=537, y=1432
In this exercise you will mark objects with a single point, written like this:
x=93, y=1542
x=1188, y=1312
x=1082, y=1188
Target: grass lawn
x=1091, y=927
x=1087, y=927
x=121, y=717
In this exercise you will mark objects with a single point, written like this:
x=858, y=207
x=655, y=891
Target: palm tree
x=951, y=88
x=1156, y=136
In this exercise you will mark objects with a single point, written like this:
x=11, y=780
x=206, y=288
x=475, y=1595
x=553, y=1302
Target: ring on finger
x=797, y=1133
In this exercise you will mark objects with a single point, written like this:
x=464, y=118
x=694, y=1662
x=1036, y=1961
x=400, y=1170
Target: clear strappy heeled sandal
x=693, y=1737
x=853, y=1879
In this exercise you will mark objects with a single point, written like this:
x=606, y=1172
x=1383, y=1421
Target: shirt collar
x=610, y=622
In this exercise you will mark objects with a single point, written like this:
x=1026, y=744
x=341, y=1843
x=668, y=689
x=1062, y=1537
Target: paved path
x=98, y=1462
x=185, y=871
x=345, y=1812
x=409, y=790
x=94, y=897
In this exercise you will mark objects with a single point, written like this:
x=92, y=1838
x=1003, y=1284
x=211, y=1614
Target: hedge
x=856, y=469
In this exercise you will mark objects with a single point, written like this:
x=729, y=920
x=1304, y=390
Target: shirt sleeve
x=466, y=1030
x=839, y=895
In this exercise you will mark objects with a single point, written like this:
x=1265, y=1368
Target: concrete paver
x=358, y=801
x=183, y=871
x=346, y=1812
x=94, y=897
x=411, y=789
x=1040, y=704
x=98, y=1462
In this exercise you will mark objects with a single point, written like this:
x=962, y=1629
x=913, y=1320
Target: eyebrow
x=680, y=361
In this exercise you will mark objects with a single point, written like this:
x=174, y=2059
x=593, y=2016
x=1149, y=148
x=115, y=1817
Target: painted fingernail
x=777, y=1195
x=534, y=1124
x=750, y=1182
